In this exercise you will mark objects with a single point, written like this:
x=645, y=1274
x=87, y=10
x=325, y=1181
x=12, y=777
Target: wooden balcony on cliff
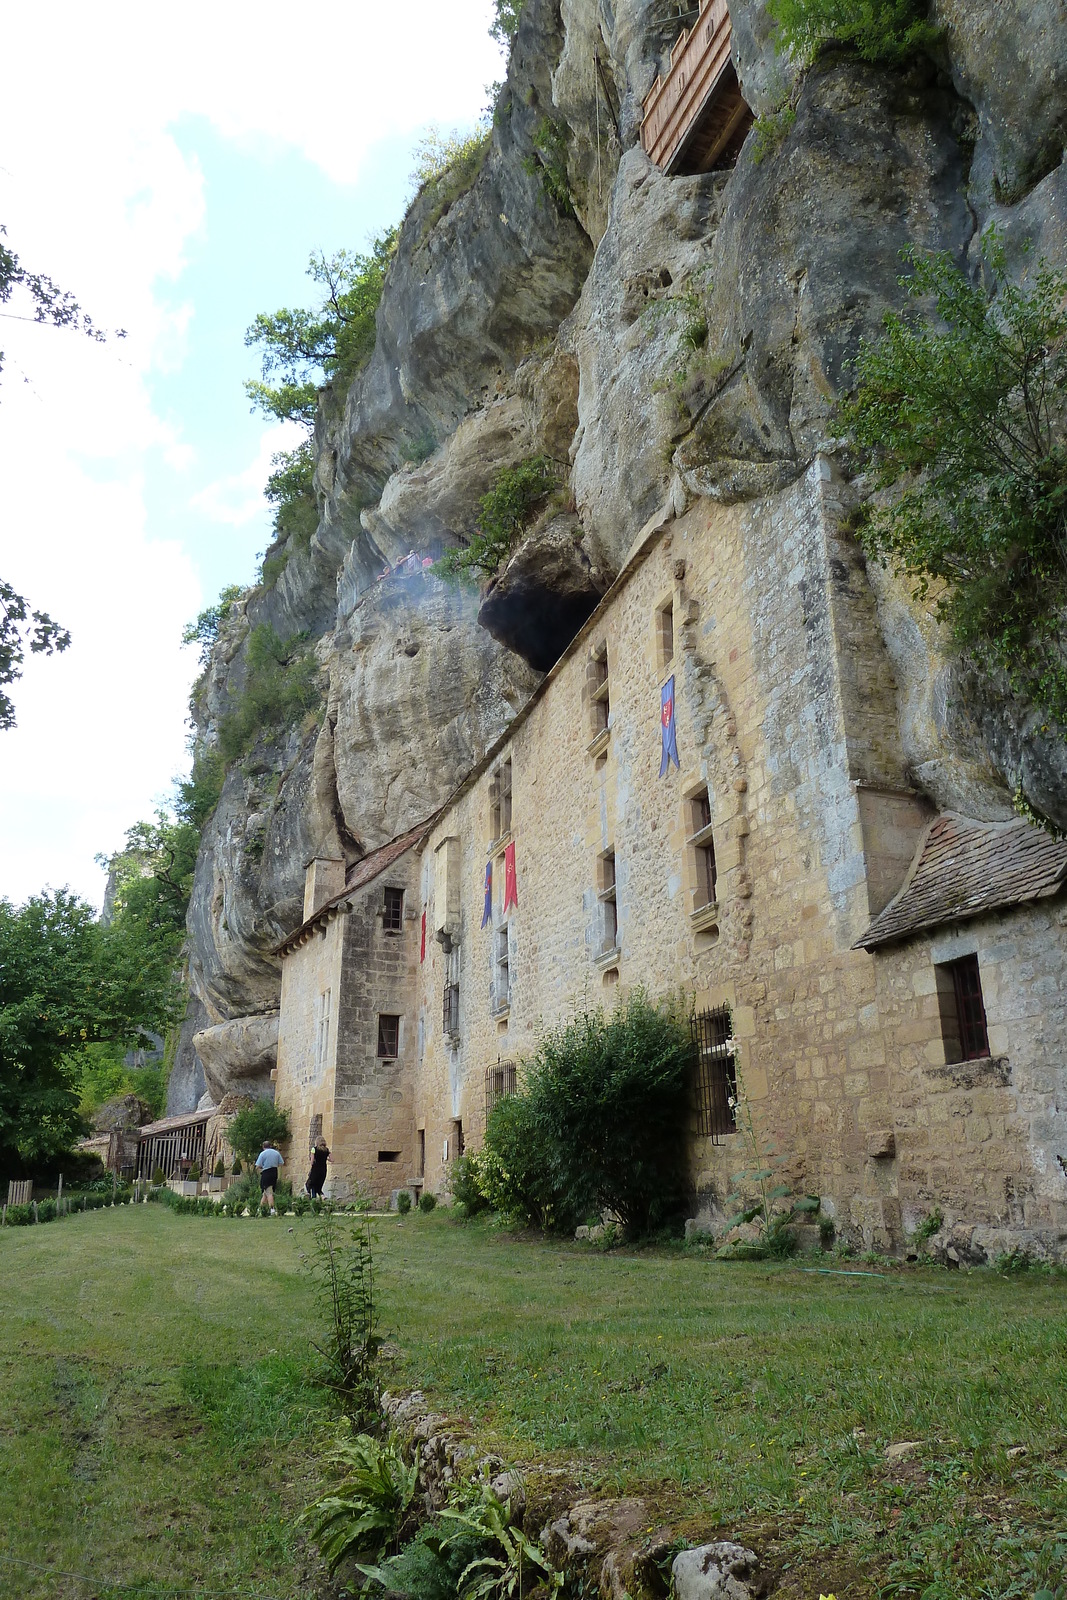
x=695, y=118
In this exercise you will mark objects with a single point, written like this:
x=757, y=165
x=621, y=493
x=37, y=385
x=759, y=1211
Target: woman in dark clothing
x=317, y=1176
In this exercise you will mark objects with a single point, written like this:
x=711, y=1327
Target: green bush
x=47, y=1211
x=281, y=684
x=236, y=1169
x=599, y=1122
x=403, y=1202
x=194, y=1172
x=254, y=1124
x=427, y=1201
x=466, y=1185
x=878, y=30
x=503, y=514
x=550, y=164
x=19, y=1216
x=961, y=418
x=219, y=1169
x=431, y=1565
x=445, y=168
x=159, y=1177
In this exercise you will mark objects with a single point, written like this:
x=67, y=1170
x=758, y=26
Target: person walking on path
x=317, y=1176
x=267, y=1163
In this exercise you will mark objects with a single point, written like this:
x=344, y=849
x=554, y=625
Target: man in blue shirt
x=267, y=1163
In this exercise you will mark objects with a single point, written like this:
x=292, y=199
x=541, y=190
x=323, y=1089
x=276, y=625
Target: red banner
x=422, y=950
x=511, y=888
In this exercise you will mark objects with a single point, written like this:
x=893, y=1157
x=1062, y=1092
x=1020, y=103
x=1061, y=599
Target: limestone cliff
x=664, y=338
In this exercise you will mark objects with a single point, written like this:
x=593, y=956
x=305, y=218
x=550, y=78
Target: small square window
x=393, y=911
x=388, y=1037
x=963, y=1019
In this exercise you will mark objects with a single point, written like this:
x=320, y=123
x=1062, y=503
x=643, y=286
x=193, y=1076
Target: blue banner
x=487, y=911
x=667, y=729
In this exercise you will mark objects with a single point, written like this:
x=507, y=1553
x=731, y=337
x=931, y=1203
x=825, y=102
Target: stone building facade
x=748, y=876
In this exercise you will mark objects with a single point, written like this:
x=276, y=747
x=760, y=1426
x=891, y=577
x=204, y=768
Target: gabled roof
x=358, y=876
x=965, y=868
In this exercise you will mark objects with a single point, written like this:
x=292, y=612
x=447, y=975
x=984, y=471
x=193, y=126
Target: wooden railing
x=695, y=117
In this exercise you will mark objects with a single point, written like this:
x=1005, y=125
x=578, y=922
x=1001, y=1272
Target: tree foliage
x=255, y=1123
x=205, y=630
x=599, y=1122
x=965, y=417
x=878, y=30
x=301, y=349
x=505, y=23
x=66, y=981
x=46, y=301
x=503, y=514
x=21, y=626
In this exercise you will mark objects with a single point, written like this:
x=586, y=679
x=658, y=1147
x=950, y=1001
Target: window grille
x=963, y=1018
x=500, y=1080
x=393, y=911
x=388, y=1037
x=715, y=1072
x=450, y=1010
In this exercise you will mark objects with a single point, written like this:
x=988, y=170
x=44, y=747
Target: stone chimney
x=325, y=877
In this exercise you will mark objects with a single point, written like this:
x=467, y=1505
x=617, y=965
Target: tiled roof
x=359, y=875
x=965, y=868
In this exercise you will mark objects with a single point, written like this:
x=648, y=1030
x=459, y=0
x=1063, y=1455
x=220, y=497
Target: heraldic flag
x=487, y=909
x=511, y=886
x=667, y=729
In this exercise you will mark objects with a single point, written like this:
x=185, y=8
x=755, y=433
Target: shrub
x=446, y=167
x=550, y=164
x=254, y=1124
x=236, y=1169
x=431, y=1565
x=371, y=1504
x=47, y=1211
x=219, y=1170
x=503, y=514
x=403, y=1202
x=281, y=683
x=205, y=630
x=962, y=418
x=159, y=1177
x=19, y=1216
x=466, y=1185
x=878, y=30
x=599, y=1122
x=194, y=1172
x=427, y=1201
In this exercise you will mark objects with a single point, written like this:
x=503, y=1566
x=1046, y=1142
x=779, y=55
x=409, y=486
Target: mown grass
x=156, y=1422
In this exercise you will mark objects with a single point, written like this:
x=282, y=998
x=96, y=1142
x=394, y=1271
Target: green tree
x=505, y=23
x=301, y=349
x=255, y=1123
x=964, y=418
x=878, y=30
x=503, y=515
x=21, y=627
x=205, y=630
x=66, y=981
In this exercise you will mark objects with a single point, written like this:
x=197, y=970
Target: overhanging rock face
x=545, y=593
x=239, y=1056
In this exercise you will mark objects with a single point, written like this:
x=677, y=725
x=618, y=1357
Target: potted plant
x=217, y=1181
x=159, y=1178
x=190, y=1182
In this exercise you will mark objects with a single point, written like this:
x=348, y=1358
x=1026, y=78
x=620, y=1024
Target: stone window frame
x=500, y=978
x=961, y=1007
x=701, y=868
x=598, y=697
x=500, y=799
x=392, y=909
x=388, y=1034
x=607, y=894
x=664, y=635
x=323, y=1023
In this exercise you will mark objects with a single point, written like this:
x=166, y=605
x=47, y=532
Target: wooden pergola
x=174, y=1144
x=695, y=118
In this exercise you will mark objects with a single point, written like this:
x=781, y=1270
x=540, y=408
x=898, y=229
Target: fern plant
x=512, y=1561
x=368, y=1510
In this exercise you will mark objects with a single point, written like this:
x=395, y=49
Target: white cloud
x=238, y=500
x=96, y=191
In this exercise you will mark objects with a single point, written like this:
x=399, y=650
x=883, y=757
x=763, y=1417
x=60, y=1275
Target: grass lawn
x=150, y=1365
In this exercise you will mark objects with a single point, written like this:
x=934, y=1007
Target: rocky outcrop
x=662, y=338
x=241, y=1052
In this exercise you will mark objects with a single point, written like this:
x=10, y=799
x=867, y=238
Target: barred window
x=715, y=1072
x=500, y=1080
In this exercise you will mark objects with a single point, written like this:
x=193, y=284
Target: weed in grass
x=341, y=1265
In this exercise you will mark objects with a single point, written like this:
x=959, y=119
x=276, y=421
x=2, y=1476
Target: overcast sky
x=174, y=168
